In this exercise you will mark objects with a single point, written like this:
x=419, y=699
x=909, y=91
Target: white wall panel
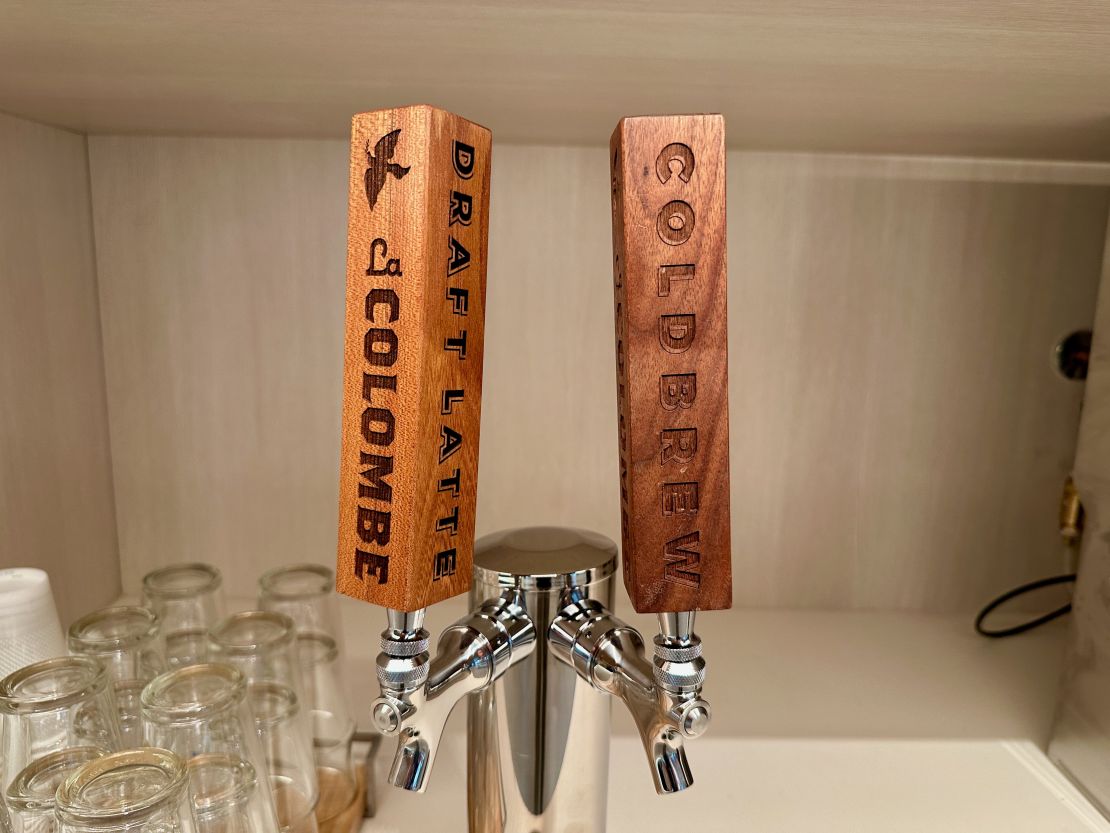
x=56, y=501
x=1081, y=737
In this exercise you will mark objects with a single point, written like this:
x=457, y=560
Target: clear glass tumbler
x=227, y=796
x=303, y=592
x=188, y=599
x=289, y=759
x=263, y=645
x=202, y=712
x=306, y=594
x=332, y=726
x=31, y=794
x=128, y=641
x=126, y=792
x=52, y=705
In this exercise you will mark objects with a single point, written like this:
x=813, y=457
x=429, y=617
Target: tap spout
x=666, y=707
x=418, y=695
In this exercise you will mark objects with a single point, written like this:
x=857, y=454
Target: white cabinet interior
x=171, y=307
x=56, y=496
x=901, y=436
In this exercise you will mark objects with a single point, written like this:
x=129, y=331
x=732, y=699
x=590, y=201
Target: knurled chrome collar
x=677, y=653
x=695, y=677
x=405, y=677
x=406, y=647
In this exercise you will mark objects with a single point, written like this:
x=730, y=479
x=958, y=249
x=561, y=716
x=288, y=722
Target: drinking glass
x=332, y=726
x=188, y=599
x=128, y=712
x=263, y=646
x=52, y=705
x=288, y=756
x=303, y=592
x=128, y=641
x=31, y=794
x=306, y=594
x=227, y=796
x=126, y=792
x=202, y=712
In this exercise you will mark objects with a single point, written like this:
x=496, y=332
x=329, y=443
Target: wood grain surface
x=671, y=322
x=418, y=213
x=341, y=805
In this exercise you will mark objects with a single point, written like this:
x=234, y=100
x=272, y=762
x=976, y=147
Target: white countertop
x=818, y=674
x=801, y=786
x=823, y=722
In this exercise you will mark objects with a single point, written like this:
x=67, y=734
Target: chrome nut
x=386, y=715
x=693, y=717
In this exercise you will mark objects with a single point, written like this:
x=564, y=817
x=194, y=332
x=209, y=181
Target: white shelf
x=792, y=674
x=799, y=786
x=1005, y=78
x=843, y=722
x=837, y=722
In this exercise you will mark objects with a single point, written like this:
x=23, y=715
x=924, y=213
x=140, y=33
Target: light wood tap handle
x=668, y=178
x=418, y=216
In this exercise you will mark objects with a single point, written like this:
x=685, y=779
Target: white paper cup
x=29, y=627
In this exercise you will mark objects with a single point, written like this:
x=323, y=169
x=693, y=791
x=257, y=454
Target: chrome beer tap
x=418, y=694
x=418, y=187
x=662, y=693
x=541, y=652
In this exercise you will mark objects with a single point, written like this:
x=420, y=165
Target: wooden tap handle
x=418, y=213
x=672, y=360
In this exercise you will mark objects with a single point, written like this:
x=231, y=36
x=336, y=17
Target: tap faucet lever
x=662, y=693
x=418, y=695
x=679, y=672
x=402, y=668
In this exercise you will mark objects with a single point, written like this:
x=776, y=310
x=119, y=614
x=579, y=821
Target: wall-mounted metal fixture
x=1073, y=354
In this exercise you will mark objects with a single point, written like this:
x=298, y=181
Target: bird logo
x=379, y=165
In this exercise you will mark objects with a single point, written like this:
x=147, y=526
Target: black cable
x=1021, y=591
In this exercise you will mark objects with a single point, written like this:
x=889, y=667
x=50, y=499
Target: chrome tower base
x=538, y=738
x=539, y=659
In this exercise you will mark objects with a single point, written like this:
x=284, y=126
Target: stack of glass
x=170, y=717
x=262, y=645
x=201, y=713
x=305, y=593
x=128, y=641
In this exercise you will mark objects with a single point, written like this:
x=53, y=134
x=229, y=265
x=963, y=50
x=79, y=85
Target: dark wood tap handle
x=668, y=178
x=418, y=217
